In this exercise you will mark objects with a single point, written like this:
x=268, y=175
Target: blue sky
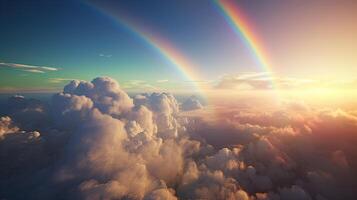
x=83, y=42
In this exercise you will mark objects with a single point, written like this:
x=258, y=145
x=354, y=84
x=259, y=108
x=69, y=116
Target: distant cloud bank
x=268, y=81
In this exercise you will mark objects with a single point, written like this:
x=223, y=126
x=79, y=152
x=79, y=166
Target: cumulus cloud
x=192, y=103
x=6, y=127
x=94, y=141
x=28, y=68
x=105, y=93
x=311, y=149
x=29, y=113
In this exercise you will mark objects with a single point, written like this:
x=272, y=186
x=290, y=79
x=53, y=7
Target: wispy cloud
x=271, y=81
x=60, y=80
x=139, y=85
x=162, y=81
x=28, y=68
x=33, y=71
x=105, y=55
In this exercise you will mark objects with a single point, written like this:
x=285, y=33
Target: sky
x=178, y=99
x=82, y=39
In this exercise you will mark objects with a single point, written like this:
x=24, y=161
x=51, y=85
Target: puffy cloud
x=69, y=110
x=282, y=148
x=212, y=185
x=142, y=120
x=7, y=127
x=161, y=194
x=93, y=141
x=165, y=108
x=29, y=113
x=105, y=93
x=158, y=102
x=192, y=103
x=22, y=153
x=123, y=146
x=293, y=193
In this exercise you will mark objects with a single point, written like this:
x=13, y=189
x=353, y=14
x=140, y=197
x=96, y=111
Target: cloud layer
x=93, y=141
x=268, y=81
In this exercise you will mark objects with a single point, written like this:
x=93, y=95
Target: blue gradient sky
x=72, y=35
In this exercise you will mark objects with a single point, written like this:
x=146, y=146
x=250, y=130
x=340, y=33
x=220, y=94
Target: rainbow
x=241, y=26
x=158, y=43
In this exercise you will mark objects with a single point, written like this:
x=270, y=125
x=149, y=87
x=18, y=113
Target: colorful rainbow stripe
x=241, y=26
x=160, y=44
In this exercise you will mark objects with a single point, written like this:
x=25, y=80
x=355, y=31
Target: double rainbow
x=231, y=13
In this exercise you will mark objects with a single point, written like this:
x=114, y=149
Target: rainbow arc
x=243, y=28
x=234, y=17
x=164, y=47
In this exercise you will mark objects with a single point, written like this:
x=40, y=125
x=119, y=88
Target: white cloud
x=28, y=68
x=191, y=103
x=33, y=71
x=93, y=141
x=162, y=81
x=140, y=85
x=60, y=80
x=7, y=127
x=267, y=81
x=105, y=55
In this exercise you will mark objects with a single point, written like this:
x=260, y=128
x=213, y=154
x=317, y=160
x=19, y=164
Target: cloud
x=269, y=81
x=283, y=148
x=162, y=81
x=140, y=85
x=29, y=113
x=94, y=141
x=29, y=68
x=60, y=80
x=33, y=71
x=192, y=103
x=246, y=81
x=105, y=55
x=105, y=93
x=6, y=126
x=264, y=81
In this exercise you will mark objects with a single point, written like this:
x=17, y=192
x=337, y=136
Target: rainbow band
x=162, y=46
x=241, y=27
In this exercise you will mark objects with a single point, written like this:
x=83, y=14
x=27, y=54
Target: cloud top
x=94, y=141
